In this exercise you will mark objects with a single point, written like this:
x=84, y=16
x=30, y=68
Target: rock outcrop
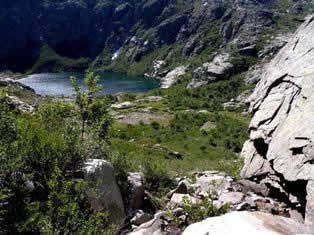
x=102, y=191
x=20, y=105
x=173, y=76
x=247, y=223
x=280, y=151
x=220, y=68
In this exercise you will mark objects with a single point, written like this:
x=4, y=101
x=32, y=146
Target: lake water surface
x=59, y=84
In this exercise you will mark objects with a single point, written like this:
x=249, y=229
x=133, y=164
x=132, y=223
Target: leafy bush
x=40, y=157
x=202, y=211
x=158, y=179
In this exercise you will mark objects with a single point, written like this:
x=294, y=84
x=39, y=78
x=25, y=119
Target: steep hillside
x=279, y=153
x=74, y=34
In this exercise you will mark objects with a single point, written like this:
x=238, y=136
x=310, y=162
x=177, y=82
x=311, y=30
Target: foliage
x=150, y=145
x=50, y=60
x=202, y=211
x=40, y=155
x=209, y=97
x=91, y=110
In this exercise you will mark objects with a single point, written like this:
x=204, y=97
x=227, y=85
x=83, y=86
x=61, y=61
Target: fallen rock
x=250, y=186
x=231, y=105
x=136, y=190
x=135, y=118
x=102, y=191
x=182, y=188
x=152, y=227
x=124, y=105
x=256, y=223
x=5, y=81
x=141, y=218
x=208, y=126
x=150, y=99
x=212, y=181
x=173, y=76
x=232, y=198
x=175, y=154
x=248, y=50
x=178, y=200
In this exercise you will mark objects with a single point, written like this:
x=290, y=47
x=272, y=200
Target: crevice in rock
x=307, y=52
x=310, y=21
x=295, y=44
x=297, y=151
x=296, y=189
x=273, y=116
x=261, y=147
x=292, y=99
x=309, y=162
x=271, y=86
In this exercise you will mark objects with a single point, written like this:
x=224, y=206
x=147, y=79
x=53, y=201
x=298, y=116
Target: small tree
x=84, y=98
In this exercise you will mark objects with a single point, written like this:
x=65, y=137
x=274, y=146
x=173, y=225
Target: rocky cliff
x=45, y=34
x=280, y=153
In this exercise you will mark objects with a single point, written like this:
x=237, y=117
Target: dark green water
x=58, y=84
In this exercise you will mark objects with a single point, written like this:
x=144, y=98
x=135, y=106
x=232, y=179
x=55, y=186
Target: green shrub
x=158, y=179
x=202, y=211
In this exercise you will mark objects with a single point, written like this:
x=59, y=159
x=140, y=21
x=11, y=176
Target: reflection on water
x=59, y=84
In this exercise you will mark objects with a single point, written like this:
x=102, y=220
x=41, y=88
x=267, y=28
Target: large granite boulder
x=247, y=223
x=103, y=192
x=220, y=68
x=280, y=151
x=173, y=76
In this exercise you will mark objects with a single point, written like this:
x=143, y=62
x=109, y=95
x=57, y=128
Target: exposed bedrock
x=280, y=150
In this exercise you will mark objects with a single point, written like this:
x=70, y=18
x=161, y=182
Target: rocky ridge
x=279, y=153
x=123, y=32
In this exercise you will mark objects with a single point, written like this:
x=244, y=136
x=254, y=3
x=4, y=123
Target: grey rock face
x=280, y=150
x=247, y=223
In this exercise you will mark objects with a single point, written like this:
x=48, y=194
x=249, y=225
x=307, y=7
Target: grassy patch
x=210, y=97
x=200, y=151
x=49, y=60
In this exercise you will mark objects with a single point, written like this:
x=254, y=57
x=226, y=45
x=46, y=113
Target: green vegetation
x=46, y=149
x=40, y=155
x=153, y=143
x=51, y=61
x=210, y=97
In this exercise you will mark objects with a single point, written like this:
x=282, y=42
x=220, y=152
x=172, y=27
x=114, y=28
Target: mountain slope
x=57, y=35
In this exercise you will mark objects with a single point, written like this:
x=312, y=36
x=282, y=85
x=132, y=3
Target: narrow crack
x=293, y=99
x=295, y=44
x=310, y=21
x=307, y=52
x=272, y=116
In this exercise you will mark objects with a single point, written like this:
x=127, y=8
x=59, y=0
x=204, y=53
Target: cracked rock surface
x=280, y=150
